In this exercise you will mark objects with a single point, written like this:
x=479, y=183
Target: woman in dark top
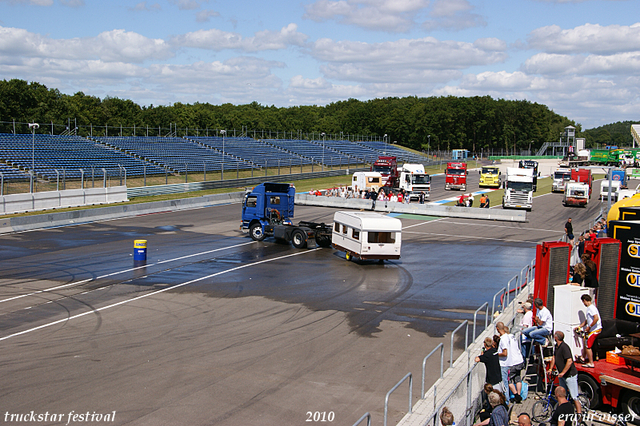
x=591, y=275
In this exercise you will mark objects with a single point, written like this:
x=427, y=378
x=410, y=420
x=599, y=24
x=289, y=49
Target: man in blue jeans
x=543, y=328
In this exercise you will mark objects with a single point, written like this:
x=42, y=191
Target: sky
x=581, y=58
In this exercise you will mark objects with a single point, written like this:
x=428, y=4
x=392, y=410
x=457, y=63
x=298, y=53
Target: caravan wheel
x=348, y=256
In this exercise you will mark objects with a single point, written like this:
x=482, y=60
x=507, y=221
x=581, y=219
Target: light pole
x=222, y=165
x=384, y=138
x=323, y=140
x=33, y=127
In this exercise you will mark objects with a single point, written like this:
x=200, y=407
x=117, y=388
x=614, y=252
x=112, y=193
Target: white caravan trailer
x=367, y=235
x=366, y=181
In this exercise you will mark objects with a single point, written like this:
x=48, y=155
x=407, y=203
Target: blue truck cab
x=267, y=211
x=265, y=205
x=619, y=175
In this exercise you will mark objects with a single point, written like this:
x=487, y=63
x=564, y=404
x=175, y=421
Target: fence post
x=81, y=178
x=104, y=177
x=424, y=364
x=386, y=400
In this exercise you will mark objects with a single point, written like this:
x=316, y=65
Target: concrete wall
x=16, y=203
x=49, y=220
x=413, y=208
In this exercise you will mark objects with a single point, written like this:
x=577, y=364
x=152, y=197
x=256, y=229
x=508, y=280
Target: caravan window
x=336, y=227
x=344, y=229
x=382, y=237
x=356, y=234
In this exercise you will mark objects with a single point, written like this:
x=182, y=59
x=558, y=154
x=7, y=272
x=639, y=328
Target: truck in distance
x=490, y=177
x=366, y=235
x=584, y=176
x=518, y=189
x=560, y=178
x=414, y=180
x=530, y=164
x=456, y=176
x=387, y=166
x=267, y=211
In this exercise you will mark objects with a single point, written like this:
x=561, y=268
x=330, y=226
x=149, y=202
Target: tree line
x=478, y=123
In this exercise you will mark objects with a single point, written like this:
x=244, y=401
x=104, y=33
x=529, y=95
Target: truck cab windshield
x=455, y=172
x=520, y=186
x=489, y=171
x=382, y=169
x=562, y=175
x=421, y=179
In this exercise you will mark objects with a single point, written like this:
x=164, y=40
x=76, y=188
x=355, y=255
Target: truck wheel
x=299, y=239
x=630, y=405
x=323, y=241
x=590, y=389
x=256, y=232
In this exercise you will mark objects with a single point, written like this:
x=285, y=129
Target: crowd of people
x=505, y=359
x=400, y=196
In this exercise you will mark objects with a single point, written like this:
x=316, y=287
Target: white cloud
x=109, y=46
x=588, y=38
x=426, y=59
x=218, y=40
x=186, y=4
x=144, y=7
x=549, y=64
x=206, y=15
x=382, y=15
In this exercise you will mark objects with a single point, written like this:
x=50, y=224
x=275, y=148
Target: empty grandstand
x=177, y=154
x=53, y=155
x=314, y=152
x=251, y=150
x=388, y=149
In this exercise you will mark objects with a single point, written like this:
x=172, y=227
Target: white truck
x=366, y=235
x=366, y=181
x=518, y=189
x=560, y=178
x=615, y=189
x=414, y=180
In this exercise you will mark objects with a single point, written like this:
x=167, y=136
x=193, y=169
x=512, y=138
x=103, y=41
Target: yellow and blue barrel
x=140, y=251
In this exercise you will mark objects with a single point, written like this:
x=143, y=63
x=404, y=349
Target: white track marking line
x=124, y=302
x=121, y=272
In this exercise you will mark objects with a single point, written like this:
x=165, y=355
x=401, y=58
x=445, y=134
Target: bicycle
x=543, y=409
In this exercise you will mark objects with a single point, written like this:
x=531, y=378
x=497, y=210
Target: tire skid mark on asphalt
x=76, y=283
x=124, y=302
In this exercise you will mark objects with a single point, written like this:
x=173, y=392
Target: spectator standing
x=513, y=361
x=564, y=412
x=592, y=325
x=543, y=325
x=421, y=198
x=591, y=275
x=491, y=361
x=567, y=373
x=568, y=230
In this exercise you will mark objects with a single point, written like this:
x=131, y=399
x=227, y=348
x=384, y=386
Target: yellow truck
x=490, y=176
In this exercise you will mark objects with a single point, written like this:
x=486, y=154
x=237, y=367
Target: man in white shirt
x=526, y=322
x=543, y=325
x=592, y=326
x=511, y=361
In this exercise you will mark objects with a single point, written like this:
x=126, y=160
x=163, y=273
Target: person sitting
x=543, y=325
x=446, y=417
x=499, y=414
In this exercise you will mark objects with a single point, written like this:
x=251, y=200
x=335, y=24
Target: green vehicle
x=606, y=157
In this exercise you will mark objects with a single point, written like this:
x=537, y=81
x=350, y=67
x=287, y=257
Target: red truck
x=456, y=176
x=388, y=168
x=583, y=176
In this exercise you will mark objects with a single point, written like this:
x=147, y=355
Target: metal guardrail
x=145, y=191
x=386, y=400
x=364, y=416
x=424, y=365
x=493, y=305
x=527, y=271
